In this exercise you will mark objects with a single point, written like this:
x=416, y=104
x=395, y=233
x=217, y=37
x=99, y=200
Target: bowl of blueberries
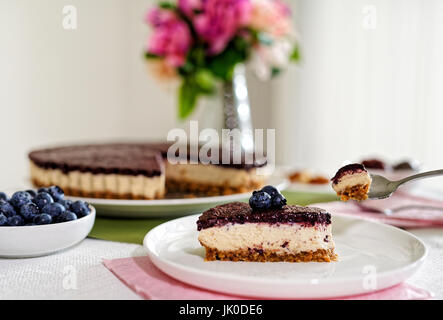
x=39, y=222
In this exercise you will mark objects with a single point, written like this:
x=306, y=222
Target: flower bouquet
x=201, y=41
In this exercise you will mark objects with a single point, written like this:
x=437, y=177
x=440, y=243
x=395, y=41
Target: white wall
x=357, y=92
x=58, y=86
x=362, y=92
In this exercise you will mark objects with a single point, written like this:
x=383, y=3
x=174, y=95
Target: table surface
x=78, y=273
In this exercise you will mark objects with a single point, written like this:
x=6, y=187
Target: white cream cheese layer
x=281, y=238
x=213, y=175
x=351, y=180
x=138, y=186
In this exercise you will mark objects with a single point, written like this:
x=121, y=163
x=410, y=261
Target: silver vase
x=236, y=107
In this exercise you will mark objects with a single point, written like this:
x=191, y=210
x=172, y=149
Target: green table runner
x=134, y=230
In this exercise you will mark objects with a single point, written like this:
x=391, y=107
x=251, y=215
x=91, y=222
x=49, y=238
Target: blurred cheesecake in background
x=138, y=171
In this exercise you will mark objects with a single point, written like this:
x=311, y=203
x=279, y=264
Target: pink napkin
x=411, y=218
x=149, y=282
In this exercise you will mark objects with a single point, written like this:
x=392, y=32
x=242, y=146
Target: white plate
x=372, y=256
x=169, y=207
x=34, y=241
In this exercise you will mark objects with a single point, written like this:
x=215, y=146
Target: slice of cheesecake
x=352, y=182
x=235, y=232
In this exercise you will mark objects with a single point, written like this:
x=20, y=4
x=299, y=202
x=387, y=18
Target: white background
x=357, y=92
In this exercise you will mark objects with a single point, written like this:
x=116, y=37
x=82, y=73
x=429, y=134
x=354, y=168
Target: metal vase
x=236, y=107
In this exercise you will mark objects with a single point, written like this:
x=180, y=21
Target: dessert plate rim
x=280, y=288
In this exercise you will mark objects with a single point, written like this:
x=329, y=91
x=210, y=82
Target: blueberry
x=278, y=201
x=65, y=203
x=42, y=199
x=15, y=221
x=32, y=193
x=67, y=216
x=56, y=193
x=272, y=191
x=42, y=219
x=43, y=190
x=3, y=220
x=4, y=196
x=260, y=200
x=20, y=198
x=53, y=209
x=30, y=224
x=7, y=209
x=80, y=208
x=29, y=210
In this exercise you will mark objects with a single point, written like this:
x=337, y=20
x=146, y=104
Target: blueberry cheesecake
x=266, y=230
x=137, y=171
x=352, y=182
x=44, y=206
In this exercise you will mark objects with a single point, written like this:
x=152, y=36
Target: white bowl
x=33, y=241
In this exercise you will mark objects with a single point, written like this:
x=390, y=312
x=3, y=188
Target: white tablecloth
x=78, y=273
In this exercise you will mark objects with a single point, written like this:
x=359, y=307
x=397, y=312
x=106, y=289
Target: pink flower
x=217, y=21
x=272, y=16
x=171, y=38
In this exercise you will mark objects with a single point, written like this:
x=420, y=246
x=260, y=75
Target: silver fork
x=383, y=188
x=390, y=212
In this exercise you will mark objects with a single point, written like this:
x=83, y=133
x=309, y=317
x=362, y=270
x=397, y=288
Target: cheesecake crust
x=199, y=189
x=258, y=255
x=358, y=192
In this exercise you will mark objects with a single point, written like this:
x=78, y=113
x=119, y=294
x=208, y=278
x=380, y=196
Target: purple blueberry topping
x=348, y=169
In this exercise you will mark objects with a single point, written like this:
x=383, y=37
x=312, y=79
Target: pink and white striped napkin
x=149, y=282
x=411, y=218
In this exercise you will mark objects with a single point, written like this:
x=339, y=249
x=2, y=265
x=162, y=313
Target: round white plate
x=372, y=256
x=34, y=241
x=169, y=207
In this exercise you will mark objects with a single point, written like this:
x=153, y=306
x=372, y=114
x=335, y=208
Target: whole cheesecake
x=137, y=171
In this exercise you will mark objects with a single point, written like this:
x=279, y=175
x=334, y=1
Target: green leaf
x=222, y=65
x=166, y=5
x=205, y=80
x=187, y=98
x=149, y=55
x=295, y=56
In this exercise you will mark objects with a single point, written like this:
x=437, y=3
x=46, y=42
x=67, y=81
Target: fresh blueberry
x=42, y=199
x=53, y=209
x=32, y=193
x=43, y=190
x=56, y=193
x=3, y=220
x=20, y=198
x=42, y=219
x=29, y=210
x=4, y=196
x=272, y=191
x=278, y=201
x=80, y=208
x=65, y=203
x=15, y=221
x=260, y=200
x=30, y=224
x=7, y=209
x=67, y=216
